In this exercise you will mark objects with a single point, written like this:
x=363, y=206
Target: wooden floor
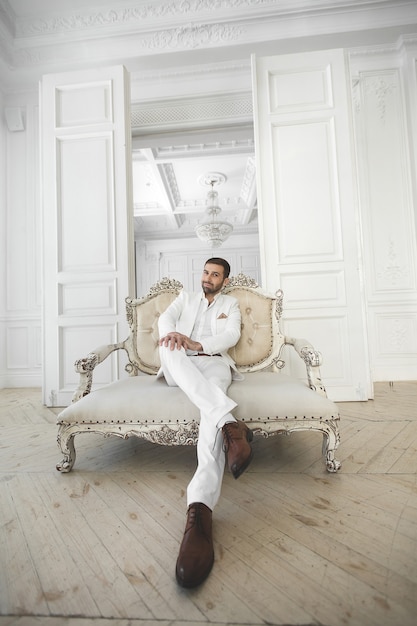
x=294, y=545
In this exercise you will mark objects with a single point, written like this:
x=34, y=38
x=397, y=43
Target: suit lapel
x=190, y=313
x=190, y=316
x=217, y=310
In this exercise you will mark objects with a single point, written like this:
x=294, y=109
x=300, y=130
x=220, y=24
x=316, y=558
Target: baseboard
x=12, y=381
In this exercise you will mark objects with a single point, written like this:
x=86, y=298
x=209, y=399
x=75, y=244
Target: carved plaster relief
x=396, y=334
x=185, y=37
x=356, y=96
x=381, y=88
x=394, y=272
x=192, y=36
x=133, y=16
x=385, y=176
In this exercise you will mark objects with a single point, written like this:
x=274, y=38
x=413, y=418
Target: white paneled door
x=88, y=259
x=308, y=214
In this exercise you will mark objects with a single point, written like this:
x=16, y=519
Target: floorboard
x=294, y=545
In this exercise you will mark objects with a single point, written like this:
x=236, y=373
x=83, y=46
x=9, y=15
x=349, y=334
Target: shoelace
x=228, y=435
x=192, y=517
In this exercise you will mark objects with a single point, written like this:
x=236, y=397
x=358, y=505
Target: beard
x=210, y=288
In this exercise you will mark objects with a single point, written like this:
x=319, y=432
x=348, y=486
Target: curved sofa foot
x=331, y=440
x=66, y=443
x=332, y=464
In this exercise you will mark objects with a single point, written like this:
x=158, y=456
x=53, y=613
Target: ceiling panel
x=170, y=194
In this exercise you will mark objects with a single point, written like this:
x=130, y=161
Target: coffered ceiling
x=171, y=184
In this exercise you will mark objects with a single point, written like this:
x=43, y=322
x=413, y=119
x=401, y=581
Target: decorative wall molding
x=65, y=37
x=367, y=53
x=364, y=54
x=192, y=36
x=171, y=180
x=15, y=379
x=191, y=113
x=134, y=16
x=381, y=89
x=387, y=205
x=396, y=334
x=207, y=148
x=248, y=180
x=393, y=272
x=225, y=69
x=23, y=346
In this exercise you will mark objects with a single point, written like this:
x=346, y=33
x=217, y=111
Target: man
x=196, y=331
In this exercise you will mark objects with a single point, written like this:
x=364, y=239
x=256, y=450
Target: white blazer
x=181, y=314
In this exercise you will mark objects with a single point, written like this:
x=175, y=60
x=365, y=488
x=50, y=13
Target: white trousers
x=205, y=380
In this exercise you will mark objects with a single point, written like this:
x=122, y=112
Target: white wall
x=385, y=117
x=183, y=259
x=388, y=220
x=21, y=305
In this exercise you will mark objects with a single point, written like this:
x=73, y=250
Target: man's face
x=213, y=279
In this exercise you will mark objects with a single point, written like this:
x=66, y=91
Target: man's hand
x=177, y=340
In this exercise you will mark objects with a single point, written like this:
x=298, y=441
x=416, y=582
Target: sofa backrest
x=260, y=343
x=261, y=340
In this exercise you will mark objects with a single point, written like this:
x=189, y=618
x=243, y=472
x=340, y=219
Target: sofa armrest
x=85, y=367
x=312, y=359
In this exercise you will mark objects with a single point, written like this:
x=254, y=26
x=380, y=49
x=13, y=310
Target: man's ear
x=226, y=282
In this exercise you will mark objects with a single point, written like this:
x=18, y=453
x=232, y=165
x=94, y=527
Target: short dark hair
x=218, y=261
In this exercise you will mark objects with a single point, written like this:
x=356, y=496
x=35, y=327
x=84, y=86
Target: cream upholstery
x=256, y=348
x=268, y=400
x=139, y=399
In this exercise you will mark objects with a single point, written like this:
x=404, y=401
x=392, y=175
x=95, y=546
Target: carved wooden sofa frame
x=269, y=401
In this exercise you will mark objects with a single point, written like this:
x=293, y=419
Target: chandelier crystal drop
x=213, y=232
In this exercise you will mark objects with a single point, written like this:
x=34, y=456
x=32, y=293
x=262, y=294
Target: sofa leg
x=332, y=464
x=66, y=443
x=331, y=439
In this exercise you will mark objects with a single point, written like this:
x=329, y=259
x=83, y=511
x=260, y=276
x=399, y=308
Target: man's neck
x=210, y=297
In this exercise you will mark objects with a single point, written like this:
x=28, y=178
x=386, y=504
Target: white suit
x=205, y=380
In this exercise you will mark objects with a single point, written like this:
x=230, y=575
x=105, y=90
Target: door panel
x=308, y=211
x=87, y=222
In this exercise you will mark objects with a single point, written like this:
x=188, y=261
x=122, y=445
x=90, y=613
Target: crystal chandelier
x=213, y=232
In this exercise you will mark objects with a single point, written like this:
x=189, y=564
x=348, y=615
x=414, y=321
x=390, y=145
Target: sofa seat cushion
x=261, y=396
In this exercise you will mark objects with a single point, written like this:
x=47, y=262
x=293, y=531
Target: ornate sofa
x=269, y=401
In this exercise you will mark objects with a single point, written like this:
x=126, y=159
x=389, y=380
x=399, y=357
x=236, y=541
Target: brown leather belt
x=204, y=354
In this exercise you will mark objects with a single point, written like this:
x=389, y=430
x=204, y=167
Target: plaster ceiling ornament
x=214, y=232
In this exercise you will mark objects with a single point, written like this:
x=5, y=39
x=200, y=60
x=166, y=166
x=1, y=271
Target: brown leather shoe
x=196, y=555
x=236, y=437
